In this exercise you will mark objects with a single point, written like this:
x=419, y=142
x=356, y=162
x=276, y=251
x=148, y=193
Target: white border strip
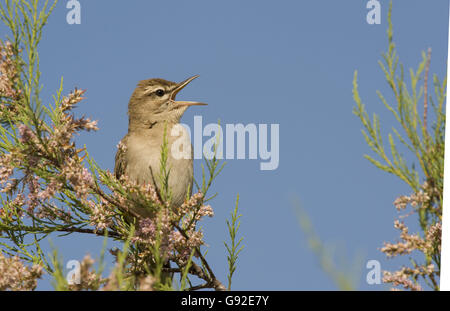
x=445, y=246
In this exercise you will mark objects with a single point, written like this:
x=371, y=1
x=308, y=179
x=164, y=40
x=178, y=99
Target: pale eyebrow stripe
x=152, y=88
x=149, y=89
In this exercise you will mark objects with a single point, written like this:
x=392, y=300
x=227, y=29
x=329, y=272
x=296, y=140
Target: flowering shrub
x=16, y=276
x=425, y=145
x=48, y=185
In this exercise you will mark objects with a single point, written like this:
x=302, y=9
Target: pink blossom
x=26, y=134
x=14, y=275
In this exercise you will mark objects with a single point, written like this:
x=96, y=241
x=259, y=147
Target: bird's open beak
x=181, y=86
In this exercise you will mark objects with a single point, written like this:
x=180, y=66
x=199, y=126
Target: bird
x=153, y=111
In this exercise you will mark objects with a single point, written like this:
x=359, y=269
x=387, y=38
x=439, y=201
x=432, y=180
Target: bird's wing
x=120, y=165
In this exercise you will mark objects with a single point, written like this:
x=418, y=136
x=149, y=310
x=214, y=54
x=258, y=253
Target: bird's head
x=153, y=100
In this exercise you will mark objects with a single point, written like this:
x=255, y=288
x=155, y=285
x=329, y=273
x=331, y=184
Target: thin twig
x=90, y=231
x=425, y=92
x=171, y=270
x=97, y=190
x=197, y=287
x=112, y=234
x=212, y=280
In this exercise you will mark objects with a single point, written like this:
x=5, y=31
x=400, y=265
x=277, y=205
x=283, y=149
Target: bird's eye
x=159, y=92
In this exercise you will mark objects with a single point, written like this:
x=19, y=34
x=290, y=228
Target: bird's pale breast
x=143, y=160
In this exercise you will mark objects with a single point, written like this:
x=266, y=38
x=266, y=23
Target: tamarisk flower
x=429, y=244
x=410, y=242
x=402, y=202
x=33, y=192
x=89, y=280
x=78, y=176
x=100, y=215
x=26, y=134
x=15, y=276
x=52, y=152
x=68, y=102
x=52, y=212
x=401, y=278
x=8, y=72
x=189, y=205
x=146, y=230
x=433, y=236
x=149, y=230
x=416, y=200
x=52, y=188
x=62, y=133
x=6, y=168
x=184, y=246
x=175, y=245
x=137, y=191
x=13, y=207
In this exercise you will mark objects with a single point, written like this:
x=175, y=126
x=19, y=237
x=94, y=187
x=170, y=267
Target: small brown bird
x=152, y=109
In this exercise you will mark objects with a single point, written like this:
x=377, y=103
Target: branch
x=211, y=281
x=110, y=233
x=97, y=190
x=197, y=287
x=195, y=269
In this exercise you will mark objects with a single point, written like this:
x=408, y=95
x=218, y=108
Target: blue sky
x=285, y=62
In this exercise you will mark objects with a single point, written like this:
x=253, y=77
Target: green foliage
x=344, y=273
x=235, y=248
x=59, y=281
x=426, y=148
x=49, y=186
x=185, y=273
x=414, y=153
x=122, y=281
x=214, y=167
x=26, y=20
x=164, y=169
